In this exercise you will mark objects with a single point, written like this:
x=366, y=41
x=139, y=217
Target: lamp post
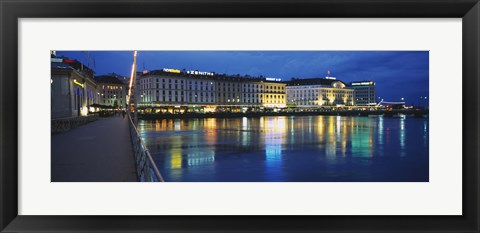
x=115, y=103
x=133, y=84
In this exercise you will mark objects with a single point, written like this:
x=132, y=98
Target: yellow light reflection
x=176, y=158
x=331, y=146
x=176, y=152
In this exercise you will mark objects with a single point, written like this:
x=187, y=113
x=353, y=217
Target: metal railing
x=65, y=124
x=147, y=171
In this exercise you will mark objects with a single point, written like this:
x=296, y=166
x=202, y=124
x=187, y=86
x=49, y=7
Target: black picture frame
x=12, y=10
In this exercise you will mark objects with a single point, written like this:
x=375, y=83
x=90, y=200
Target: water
x=289, y=149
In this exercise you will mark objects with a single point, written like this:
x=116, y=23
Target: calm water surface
x=289, y=148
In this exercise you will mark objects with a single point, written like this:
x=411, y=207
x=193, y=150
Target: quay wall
x=391, y=113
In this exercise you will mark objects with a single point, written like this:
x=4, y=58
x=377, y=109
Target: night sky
x=398, y=74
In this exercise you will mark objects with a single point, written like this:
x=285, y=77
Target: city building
x=176, y=90
x=124, y=79
x=319, y=92
x=73, y=89
x=171, y=87
x=274, y=93
x=113, y=91
x=252, y=94
x=365, y=93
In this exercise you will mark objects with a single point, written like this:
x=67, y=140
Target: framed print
x=316, y=116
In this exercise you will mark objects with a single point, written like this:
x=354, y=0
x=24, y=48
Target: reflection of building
x=275, y=130
x=73, y=89
x=113, y=91
x=365, y=93
x=193, y=90
x=319, y=92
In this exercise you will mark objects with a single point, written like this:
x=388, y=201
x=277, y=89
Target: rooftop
x=312, y=81
x=61, y=65
x=65, y=63
x=362, y=83
x=108, y=79
x=206, y=75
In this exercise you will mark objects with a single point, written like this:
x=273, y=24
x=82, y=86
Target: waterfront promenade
x=100, y=151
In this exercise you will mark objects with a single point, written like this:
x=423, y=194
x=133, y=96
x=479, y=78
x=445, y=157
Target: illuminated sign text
x=274, y=79
x=362, y=84
x=196, y=72
x=171, y=70
x=78, y=83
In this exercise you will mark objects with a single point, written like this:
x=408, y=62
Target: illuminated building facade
x=274, y=95
x=73, y=89
x=365, y=93
x=319, y=92
x=113, y=91
x=172, y=87
x=190, y=90
x=252, y=93
x=229, y=91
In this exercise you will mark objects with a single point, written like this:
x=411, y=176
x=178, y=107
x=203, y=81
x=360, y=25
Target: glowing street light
x=132, y=75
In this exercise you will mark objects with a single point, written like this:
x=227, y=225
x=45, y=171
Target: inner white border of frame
x=441, y=196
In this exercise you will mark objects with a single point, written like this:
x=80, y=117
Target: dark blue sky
x=397, y=73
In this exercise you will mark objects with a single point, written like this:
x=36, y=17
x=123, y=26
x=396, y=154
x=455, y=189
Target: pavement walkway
x=100, y=151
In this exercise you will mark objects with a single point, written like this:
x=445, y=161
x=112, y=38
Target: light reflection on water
x=287, y=148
